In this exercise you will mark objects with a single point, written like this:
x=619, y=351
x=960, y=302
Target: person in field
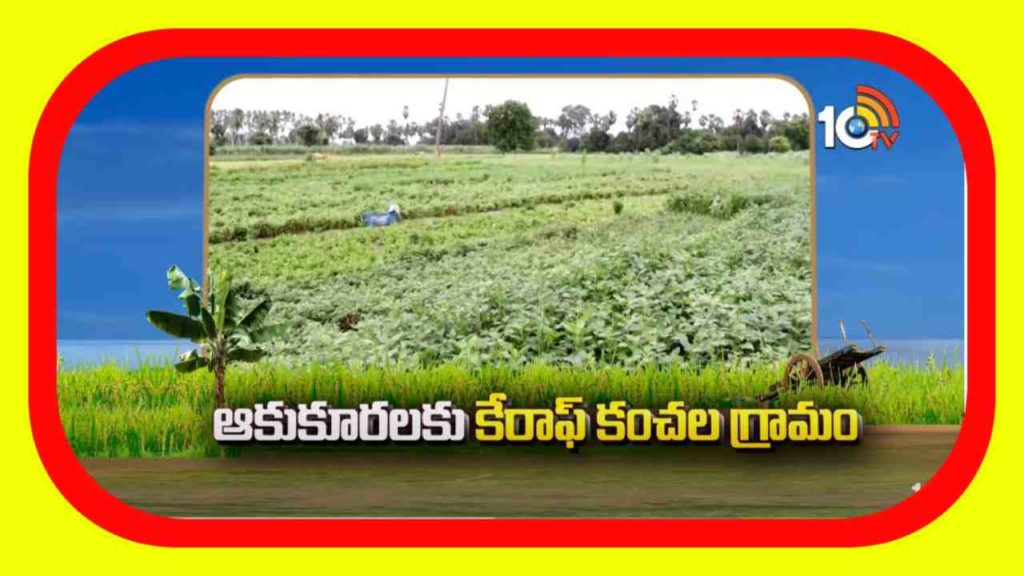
x=375, y=219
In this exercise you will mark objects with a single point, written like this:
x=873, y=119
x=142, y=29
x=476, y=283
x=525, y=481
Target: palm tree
x=405, y=118
x=224, y=335
x=236, y=121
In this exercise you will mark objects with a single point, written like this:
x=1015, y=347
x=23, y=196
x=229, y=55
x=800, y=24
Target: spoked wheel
x=802, y=368
x=857, y=374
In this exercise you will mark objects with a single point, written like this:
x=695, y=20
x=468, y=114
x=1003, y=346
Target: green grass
x=264, y=199
x=310, y=258
x=112, y=411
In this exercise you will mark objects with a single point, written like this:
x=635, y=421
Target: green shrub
x=309, y=135
x=260, y=139
x=753, y=144
x=779, y=144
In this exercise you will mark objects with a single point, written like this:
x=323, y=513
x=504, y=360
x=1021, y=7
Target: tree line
x=511, y=126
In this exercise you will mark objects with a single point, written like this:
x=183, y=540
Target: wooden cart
x=839, y=368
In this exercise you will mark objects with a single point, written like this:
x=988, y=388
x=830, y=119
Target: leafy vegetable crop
x=518, y=259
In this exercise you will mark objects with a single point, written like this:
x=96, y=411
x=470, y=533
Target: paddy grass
x=113, y=411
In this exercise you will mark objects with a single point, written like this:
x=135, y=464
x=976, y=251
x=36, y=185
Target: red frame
x=83, y=492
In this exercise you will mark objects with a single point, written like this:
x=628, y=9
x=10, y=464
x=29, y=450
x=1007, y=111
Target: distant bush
x=708, y=143
x=752, y=144
x=546, y=139
x=779, y=144
x=680, y=145
x=596, y=140
x=309, y=135
x=260, y=139
x=620, y=144
x=692, y=142
x=617, y=206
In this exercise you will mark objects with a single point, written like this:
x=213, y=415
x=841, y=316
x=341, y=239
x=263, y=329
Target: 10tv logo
x=873, y=121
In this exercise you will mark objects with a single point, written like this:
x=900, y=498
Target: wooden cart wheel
x=802, y=368
x=862, y=374
x=856, y=373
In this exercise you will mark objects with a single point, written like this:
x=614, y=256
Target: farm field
x=153, y=411
x=599, y=260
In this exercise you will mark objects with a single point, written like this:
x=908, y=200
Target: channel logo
x=870, y=123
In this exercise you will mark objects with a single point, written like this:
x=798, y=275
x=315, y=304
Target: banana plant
x=223, y=333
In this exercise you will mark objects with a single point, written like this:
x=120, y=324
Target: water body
x=948, y=351
x=132, y=353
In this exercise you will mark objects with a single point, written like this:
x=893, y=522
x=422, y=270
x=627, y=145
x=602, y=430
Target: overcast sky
x=373, y=100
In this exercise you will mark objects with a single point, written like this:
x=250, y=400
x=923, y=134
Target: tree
x=672, y=117
x=223, y=333
x=393, y=134
x=440, y=120
x=218, y=128
x=752, y=124
x=597, y=138
x=405, y=124
x=286, y=127
x=511, y=126
x=766, y=120
x=547, y=138
x=621, y=144
x=309, y=134
x=235, y=124
x=753, y=144
x=687, y=119
x=796, y=129
x=377, y=132
x=348, y=131
x=262, y=126
x=573, y=120
x=260, y=139
x=654, y=126
x=716, y=123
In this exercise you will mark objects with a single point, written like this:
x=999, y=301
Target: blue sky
x=130, y=191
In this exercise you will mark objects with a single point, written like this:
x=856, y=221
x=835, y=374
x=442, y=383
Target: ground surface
x=599, y=481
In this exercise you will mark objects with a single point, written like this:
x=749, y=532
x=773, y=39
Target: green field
x=113, y=411
x=600, y=260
